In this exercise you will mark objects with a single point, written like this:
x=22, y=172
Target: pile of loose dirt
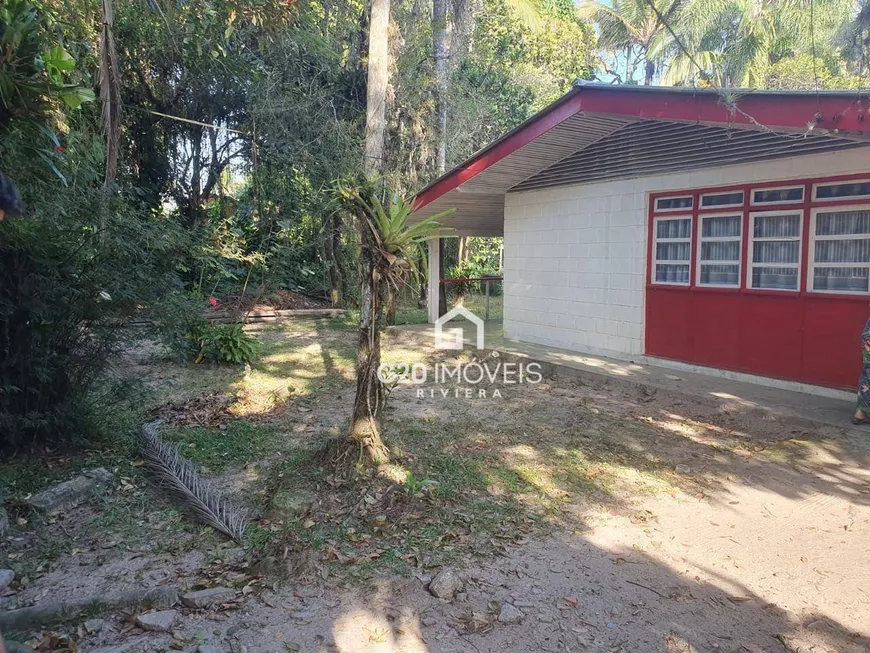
x=208, y=409
x=279, y=300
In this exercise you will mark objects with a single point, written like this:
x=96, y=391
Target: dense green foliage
x=735, y=43
x=238, y=115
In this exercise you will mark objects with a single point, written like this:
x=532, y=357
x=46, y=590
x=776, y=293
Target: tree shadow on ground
x=571, y=595
x=526, y=469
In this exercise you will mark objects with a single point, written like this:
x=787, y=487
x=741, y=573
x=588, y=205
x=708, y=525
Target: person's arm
x=10, y=202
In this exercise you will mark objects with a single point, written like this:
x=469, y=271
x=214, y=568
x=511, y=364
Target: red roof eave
x=787, y=111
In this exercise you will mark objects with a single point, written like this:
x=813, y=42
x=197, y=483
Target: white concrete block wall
x=575, y=256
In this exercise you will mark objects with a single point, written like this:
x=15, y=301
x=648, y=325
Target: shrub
x=61, y=301
x=184, y=330
x=181, y=324
x=228, y=343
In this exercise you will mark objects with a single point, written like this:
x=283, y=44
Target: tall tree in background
x=853, y=40
x=440, y=50
x=628, y=31
x=378, y=79
x=110, y=93
x=737, y=41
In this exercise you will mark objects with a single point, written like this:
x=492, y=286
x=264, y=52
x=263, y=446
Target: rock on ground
x=207, y=598
x=445, y=585
x=94, y=625
x=157, y=621
x=72, y=491
x=6, y=578
x=510, y=614
x=208, y=648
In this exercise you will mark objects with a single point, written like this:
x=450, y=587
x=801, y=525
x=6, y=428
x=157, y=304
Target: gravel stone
x=72, y=491
x=94, y=625
x=157, y=621
x=207, y=598
x=6, y=578
x=445, y=585
x=510, y=614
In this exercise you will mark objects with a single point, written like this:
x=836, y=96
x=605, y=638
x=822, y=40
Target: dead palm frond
x=110, y=93
x=179, y=476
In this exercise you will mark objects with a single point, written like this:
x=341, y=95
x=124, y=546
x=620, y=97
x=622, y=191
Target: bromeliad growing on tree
x=390, y=249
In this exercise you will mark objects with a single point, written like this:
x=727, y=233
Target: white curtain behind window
x=842, y=238
x=776, y=251
x=720, y=251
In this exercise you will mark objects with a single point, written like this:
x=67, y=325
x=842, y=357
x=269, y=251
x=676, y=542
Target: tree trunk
x=110, y=94
x=370, y=392
x=363, y=444
x=378, y=78
x=649, y=71
x=464, y=252
x=390, y=313
x=442, y=287
x=333, y=256
x=423, y=295
x=439, y=48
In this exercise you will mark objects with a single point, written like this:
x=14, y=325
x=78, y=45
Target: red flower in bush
x=212, y=301
x=58, y=148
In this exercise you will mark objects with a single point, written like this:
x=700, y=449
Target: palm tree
x=853, y=40
x=631, y=29
x=734, y=42
x=390, y=249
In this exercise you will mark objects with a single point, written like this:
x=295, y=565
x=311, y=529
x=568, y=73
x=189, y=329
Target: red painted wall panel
x=802, y=336
x=715, y=334
x=770, y=336
x=832, y=340
x=669, y=337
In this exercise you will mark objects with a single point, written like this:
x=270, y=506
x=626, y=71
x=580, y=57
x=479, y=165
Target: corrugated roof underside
x=655, y=147
x=479, y=203
x=563, y=140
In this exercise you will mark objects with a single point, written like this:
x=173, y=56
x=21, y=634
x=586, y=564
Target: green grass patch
x=216, y=449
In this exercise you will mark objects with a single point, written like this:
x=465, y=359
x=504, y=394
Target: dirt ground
x=256, y=300
x=672, y=526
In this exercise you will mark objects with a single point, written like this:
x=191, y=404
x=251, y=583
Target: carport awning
x=602, y=132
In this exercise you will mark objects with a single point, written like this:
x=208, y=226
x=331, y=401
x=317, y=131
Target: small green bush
x=185, y=331
x=228, y=343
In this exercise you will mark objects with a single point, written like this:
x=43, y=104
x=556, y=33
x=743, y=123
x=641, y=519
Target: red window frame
x=746, y=210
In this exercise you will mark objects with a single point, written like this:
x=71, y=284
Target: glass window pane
x=843, y=251
x=725, y=227
x=775, y=278
x=853, y=189
x=721, y=251
x=837, y=223
x=664, y=203
x=777, y=226
x=669, y=273
x=776, y=252
x=720, y=275
x=778, y=195
x=722, y=199
x=841, y=279
x=679, y=228
x=673, y=251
